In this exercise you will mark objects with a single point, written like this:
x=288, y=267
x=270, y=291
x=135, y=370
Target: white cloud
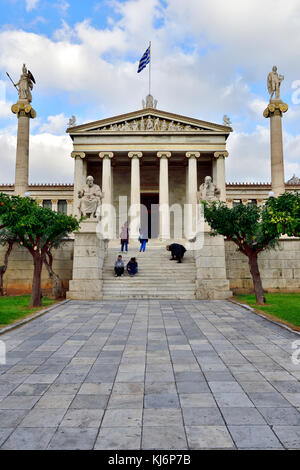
x=249, y=156
x=50, y=159
x=55, y=124
x=31, y=4
x=207, y=58
x=5, y=111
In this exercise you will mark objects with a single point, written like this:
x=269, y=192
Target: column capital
x=75, y=154
x=192, y=154
x=135, y=154
x=163, y=154
x=222, y=153
x=106, y=154
x=275, y=107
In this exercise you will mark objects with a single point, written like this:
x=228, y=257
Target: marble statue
x=273, y=83
x=208, y=191
x=149, y=124
x=226, y=120
x=72, y=121
x=150, y=102
x=135, y=126
x=25, y=84
x=164, y=125
x=90, y=198
x=156, y=124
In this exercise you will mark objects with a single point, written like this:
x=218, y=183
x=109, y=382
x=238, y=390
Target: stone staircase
x=158, y=277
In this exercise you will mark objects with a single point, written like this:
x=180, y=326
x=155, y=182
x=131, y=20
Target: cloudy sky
x=209, y=58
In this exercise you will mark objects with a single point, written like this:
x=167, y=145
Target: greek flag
x=144, y=60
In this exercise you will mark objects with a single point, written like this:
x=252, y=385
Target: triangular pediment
x=149, y=120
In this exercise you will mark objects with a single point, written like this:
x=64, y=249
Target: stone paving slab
x=149, y=374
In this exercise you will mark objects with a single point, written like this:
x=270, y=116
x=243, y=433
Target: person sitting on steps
x=119, y=266
x=177, y=251
x=132, y=267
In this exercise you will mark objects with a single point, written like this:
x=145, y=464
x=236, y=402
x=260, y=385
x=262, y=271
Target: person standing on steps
x=143, y=240
x=124, y=237
x=177, y=251
x=119, y=266
x=132, y=267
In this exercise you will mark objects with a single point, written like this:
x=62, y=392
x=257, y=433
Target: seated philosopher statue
x=208, y=191
x=90, y=198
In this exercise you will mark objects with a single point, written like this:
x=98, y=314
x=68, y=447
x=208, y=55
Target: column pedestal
x=87, y=283
x=211, y=277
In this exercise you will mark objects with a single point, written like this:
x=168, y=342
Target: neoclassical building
x=157, y=159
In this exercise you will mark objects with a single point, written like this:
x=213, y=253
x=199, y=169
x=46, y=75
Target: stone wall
x=18, y=277
x=280, y=268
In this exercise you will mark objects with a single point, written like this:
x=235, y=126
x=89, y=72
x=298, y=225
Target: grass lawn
x=14, y=308
x=285, y=307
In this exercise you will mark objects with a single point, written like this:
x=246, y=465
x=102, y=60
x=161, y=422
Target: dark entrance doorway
x=150, y=214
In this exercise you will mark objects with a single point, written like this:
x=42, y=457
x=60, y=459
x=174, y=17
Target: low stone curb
x=29, y=319
x=247, y=307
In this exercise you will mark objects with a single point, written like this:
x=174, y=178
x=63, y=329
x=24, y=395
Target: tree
x=57, y=286
x=243, y=225
x=37, y=229
x=282, y=214
x=7, y=239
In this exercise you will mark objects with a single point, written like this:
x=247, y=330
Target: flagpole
x=150, y=68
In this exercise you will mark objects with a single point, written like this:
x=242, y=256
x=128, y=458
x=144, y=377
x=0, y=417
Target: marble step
x=150, y=297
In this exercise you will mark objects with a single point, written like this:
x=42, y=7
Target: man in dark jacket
x=132, y=267
x=177, y=251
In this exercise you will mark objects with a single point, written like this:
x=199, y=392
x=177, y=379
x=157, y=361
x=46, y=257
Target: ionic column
x=78, y=179
x=274, y=111
x=192, y=193
x=69, y=206
x=106, y=176
x=219, y=172
x=54, y=204
x=107, y=201
x=164, y=209
x=135, y=192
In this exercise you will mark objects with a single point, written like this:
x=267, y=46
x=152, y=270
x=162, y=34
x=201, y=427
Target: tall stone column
x=78, y=179
x=135, y=193
x=274, y=111
x=106, y=176
x=164, y=209
x=54, y=204
x=219, y=172
x=69, y=206
x=24, y=112
x=192, y=187
x=107, y=201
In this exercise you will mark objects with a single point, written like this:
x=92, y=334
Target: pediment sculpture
x=149, y=123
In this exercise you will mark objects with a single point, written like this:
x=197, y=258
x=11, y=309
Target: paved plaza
x=149, y=375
